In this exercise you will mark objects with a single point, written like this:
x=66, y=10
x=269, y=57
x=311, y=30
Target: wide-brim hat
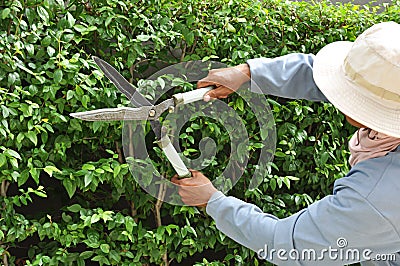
x=362, y=78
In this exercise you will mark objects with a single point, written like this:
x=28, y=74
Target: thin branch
x=119, y=152
x=131, y=154
x=3, y=193
x=183, y=52
x=5, y=259
x=160, y=199
x=4, y=187
x=193, y=45
x=133, y=211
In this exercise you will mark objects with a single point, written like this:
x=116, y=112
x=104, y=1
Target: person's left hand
x=195, y=190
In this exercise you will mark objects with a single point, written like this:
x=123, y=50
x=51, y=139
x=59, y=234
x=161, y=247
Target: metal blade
x=126, y=88
x=115, y=114
x=121, y=83
x=126, y=113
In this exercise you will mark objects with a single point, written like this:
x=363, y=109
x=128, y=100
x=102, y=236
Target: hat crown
x=373, y=62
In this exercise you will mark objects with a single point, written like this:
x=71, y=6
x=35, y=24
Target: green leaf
x=280, y=154
x=85, y=100
x=13, y=162
x=30, y=49
x=5, y=13
x=89, y=167
x=96, y=126
x=31, y=135
x=3, y=159
x=80, y=28
x=230, y=28
x=70, y=187
x=35, y=173
x=12, y=153
x=91, y=28
x=86, y=254
x=50, y=169
x=88, y=179
x=50, y=51
x=108, y=21
x=101, y=259
x=117, y=169
x=189, y=37
x=71, y=20
x=58, y=75
x=70, y=95
x=5, y=111
x=161, y=81
x=74, y=208
x=43, y=14
x=115, y=256
x=129, y=223
x=272, y=183
x=21, y=178
x=105, y=248
x=15, y=175
x=286, y=181
x=40, y=193
x=143, y=38
x=240, y=104
x=95, y=218
x=99, y=171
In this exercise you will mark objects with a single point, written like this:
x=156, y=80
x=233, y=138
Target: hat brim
x=344, y=94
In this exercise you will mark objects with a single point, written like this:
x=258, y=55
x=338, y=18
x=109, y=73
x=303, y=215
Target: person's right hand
x=225, y=80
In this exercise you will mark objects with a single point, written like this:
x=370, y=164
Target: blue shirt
x=360, y=221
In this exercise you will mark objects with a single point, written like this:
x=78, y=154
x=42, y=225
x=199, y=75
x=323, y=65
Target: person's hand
x=195, y=190
x=225, y=80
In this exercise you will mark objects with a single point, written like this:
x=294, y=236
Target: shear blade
x=116, y=114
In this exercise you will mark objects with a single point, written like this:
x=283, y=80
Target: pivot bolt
x=152, y=113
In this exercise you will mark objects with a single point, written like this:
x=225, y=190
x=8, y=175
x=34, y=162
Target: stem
x=5, y=259
x=133, y=211
x=193, y=45
x=120, y=157
x=160, y=198
x=3, y=193
x=4, y=188
x=131, y=153
x=19, y=23
x=183, y=52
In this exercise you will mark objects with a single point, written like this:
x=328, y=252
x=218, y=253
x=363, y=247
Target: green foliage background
x=67, y=196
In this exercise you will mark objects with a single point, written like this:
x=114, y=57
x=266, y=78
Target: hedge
x=67, y=195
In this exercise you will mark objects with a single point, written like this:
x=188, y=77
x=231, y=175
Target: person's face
x=354, y=122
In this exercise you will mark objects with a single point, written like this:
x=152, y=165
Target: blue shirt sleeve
x=289, y=76
x=357, y=222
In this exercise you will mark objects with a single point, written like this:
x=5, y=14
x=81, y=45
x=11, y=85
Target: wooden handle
x=191, y=96
x=173, y=156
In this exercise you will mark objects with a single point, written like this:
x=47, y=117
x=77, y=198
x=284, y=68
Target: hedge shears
x=144, y=110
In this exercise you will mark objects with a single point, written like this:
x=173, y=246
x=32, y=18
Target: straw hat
x=362, y=79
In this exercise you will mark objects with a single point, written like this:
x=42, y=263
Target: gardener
x=361, y=220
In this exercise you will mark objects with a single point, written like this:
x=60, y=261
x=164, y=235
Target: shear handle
x=191, y=96
x=173, y=157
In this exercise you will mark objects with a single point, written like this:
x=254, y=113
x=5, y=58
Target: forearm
x=243, y=222
x=288, y=76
